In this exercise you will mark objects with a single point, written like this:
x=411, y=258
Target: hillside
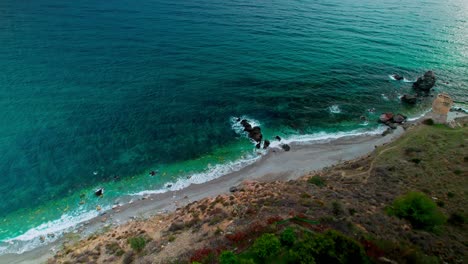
x=295, y=221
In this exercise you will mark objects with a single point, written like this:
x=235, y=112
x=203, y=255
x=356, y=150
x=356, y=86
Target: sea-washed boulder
x=386, y=117
x=426, y=82
x=409, y=99
x=399, y=118
x=397, y=77
x=256, y=134
x=286, y=147
x=278, y=138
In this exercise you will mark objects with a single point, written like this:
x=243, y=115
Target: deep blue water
x=94, y=89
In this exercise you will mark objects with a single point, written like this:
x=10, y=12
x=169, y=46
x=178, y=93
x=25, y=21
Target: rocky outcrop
x=255, y=133
x=409, y=99
x=392, y=120
x=426, y=82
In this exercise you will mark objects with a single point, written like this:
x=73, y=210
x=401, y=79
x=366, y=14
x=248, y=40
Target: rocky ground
x=350, y=197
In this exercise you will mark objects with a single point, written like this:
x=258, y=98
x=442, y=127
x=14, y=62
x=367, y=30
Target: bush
x=330, y=247
x=317, y=180
x=265, y=246
x=428, y=122
x=288, y=237
x=227, y=257
x=137, y=243
x=419, y=209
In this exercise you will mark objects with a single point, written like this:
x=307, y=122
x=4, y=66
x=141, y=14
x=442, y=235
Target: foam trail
x=325, y=137
x=31, y=239
x=419, y=116
x=238, y=128
x=211, y=174
x=334, y=109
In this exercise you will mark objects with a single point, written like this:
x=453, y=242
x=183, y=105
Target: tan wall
x=440, y=108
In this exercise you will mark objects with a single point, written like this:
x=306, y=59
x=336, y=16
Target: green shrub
x=265, y=246
x=337, y=208
x=428, y=122
x=137, y=243
x=227, y=257
x=288, y=237
x=330, y=247
x=317, y=180
x=419, y=209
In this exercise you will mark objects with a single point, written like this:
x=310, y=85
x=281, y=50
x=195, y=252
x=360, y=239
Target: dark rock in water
x=169, y=186
x=244, y=122
x=258, y=145
x=397, y=77
x=256, y=134
x=238, y=119
x=426, y=82
x=409, y=99
x=399, y=118
x=266, y=144
x=386, y=117
x=278, y=138
x=286, y=147
x=247, y=128
x=233, y=189
x=99, y=192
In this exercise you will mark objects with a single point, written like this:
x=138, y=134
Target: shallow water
x=91, y=91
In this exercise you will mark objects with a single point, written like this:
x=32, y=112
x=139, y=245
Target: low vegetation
x=419, y=209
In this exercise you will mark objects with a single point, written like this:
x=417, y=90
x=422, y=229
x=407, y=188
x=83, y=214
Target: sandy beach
x=277, y=164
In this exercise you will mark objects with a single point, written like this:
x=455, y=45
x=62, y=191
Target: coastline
x=276, y=165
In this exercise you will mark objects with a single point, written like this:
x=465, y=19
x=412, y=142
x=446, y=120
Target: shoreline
x=275, y=165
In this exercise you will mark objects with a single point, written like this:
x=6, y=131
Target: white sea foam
x=334, y=109
x=325, y=137
x=211, y=173
x=238, y=128
x=419, y=116
x=404, y=79
x=384, y=97
x=31, y=239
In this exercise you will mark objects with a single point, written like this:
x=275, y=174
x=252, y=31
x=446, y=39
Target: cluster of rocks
x=255, y=133
x=422, y=86
x=392, y=120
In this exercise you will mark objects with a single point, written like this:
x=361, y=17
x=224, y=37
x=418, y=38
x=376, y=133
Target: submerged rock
x=397, y=77
x=426, y=82
x=278, y=138
x=409, y=99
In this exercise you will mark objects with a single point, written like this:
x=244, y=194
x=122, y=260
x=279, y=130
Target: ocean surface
x=100, y=93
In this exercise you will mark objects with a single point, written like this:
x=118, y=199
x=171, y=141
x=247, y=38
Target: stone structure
x=440, y=108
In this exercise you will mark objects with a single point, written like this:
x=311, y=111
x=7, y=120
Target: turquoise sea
x=100, y=93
